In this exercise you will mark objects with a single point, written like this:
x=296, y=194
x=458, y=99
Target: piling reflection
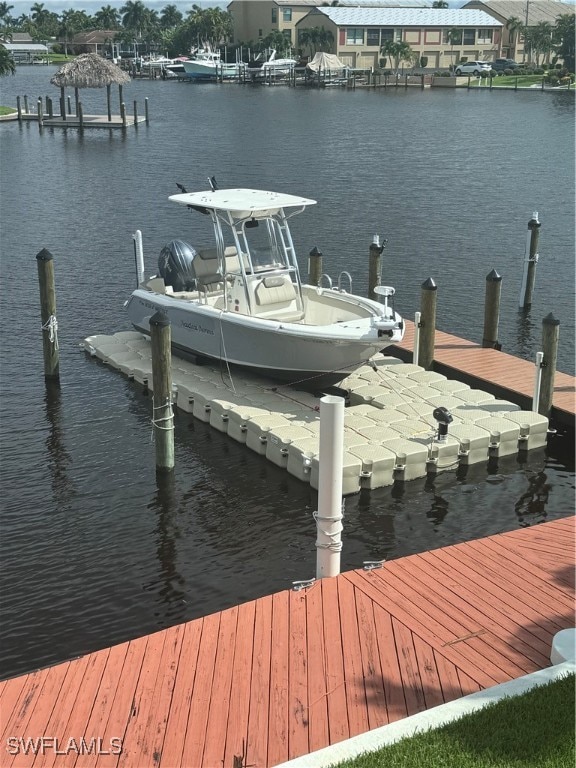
x=526, y=334
x=59, y=459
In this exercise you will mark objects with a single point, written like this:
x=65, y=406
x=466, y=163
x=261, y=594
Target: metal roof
x=538, y=10
x=409, y=17
x=360, y=3
x=25, y=47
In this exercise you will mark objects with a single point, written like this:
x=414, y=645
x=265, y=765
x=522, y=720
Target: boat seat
x=276, y=299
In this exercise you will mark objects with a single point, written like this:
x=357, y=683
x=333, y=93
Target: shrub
x=423, y=61
x=552, y=79
x=538, y=71
x=508, y=72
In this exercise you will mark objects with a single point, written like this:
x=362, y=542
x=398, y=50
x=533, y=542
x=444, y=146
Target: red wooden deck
x=295, y=671
x=488, y=369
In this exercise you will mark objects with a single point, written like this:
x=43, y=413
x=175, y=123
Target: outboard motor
x=176, y=265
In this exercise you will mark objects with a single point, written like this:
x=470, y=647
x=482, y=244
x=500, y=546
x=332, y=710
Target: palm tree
x=542, y=40
x=134, y=16
x=454, y=37
x=107, y=18
x=170, y=17
x=439, y=4
x=7, y=66
x=564, y=37
x=515, y=27
x=398, y=51
x=5, y=17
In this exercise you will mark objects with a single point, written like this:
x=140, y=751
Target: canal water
x=95, y=549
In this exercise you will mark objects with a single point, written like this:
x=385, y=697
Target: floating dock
x=389, y=431
x=88, y=121
x=293, y=672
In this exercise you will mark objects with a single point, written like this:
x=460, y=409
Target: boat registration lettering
x=197, y=328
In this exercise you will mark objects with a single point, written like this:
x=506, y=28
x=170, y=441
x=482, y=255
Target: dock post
x=374, y=266
x=550, y=336
x=492, y=310
x=19, y=108
x=162, y=414
x=80, y=109
x=146, y=115
x=135, y=114
x=123, y=114
x=26, y=108
x=40, y=114
x=69, y=105
x=49, y=107
x=416, y=342
x=529, y=274
x=427, y=324
x=329, y=515
x=45, y=262
x=314, y=266
x=109, y=101
x=537, y=381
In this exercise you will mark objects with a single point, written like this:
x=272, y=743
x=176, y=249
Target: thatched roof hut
x=89, y=71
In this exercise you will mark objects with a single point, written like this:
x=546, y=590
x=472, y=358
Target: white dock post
x=139, y=256
x=537, y=381
x=416, y=343
x=329, y=515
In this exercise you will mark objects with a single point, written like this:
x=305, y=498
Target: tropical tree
x=454, y=37
x=134, y=14
x=107, y=18
x=5, y=17
x=564, y=37
x=170, y=17
x=276, y=40
x=541, y=40
x=398, y=51
x=210, y=25
x=439, y=4
x=7, y=66
x=317, y=39
x=515, y=27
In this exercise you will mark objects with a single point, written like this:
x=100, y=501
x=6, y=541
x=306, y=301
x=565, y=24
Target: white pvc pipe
x=329, y=515
x=537, y=381
x=139, y=253
x=416, y=351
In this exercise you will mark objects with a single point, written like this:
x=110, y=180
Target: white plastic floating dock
x=389, y=430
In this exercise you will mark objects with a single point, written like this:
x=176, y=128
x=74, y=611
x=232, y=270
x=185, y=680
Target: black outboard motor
x=176, y=265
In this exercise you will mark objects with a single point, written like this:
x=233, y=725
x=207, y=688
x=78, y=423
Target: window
x=398, y=35
x=469, y=36
x=385, y=35
x=354, y=36
x=286, y=14
x=484, y=36
x=274, y=15
x=259, y=33
x=373, y=37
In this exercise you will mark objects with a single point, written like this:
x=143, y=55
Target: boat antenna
x=212, y=182
x=181, y=188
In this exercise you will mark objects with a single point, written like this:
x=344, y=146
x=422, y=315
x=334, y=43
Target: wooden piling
x=374, y=266
x=26, y=108
x=19, y=108
x=314, y=266
x=135, y=114
x=530, y=268
x=162, y=416
x=40, y=114
x=80, y=109
x=550, y=336
x=45, y=262
x=492, y=310
x=427, y=324
x=109, y=101
x=146, y=115
x=49, y=107
x=123, y=114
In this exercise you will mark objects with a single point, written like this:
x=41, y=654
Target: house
x=96, y=41
x=530, y=13
x=255, y=19
x=359, y=33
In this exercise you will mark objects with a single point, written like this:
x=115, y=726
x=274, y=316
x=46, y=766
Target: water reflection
x=531, y=506
x=525, y=333
x=59, y=460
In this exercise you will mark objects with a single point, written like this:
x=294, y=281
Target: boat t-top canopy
x=241, y=202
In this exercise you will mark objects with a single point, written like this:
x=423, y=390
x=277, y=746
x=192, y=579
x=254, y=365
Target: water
x=95, y=550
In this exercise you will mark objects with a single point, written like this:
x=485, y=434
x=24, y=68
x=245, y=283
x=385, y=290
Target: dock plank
x=318, y=729
x=278, y=711
x=352, y=658
x=257, y=742
x=298, y=677
x=237, y=731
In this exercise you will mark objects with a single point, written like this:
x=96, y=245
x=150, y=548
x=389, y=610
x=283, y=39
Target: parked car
x=473, y=68
x=501, y=64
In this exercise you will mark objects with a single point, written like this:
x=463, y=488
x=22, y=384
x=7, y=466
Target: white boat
x=243, y=303
x=262, y=67
x=208, y=65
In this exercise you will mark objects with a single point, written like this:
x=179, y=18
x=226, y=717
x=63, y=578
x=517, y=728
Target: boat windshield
x=264, y=245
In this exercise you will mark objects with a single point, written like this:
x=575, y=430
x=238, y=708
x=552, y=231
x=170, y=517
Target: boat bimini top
x=241, y=203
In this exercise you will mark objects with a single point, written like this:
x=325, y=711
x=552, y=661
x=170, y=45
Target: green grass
x=7, y=110
x=535, y=730
x=501, y=81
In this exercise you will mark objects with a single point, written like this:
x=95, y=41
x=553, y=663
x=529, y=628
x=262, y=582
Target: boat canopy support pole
x=329, y=515
x=139, y=256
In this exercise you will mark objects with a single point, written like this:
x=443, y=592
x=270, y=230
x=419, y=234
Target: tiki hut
x=89, y=71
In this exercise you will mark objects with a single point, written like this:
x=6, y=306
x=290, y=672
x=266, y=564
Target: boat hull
x=307, y=355
x=198, y=70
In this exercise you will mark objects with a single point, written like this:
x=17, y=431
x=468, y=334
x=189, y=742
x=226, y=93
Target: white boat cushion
x=274, y=290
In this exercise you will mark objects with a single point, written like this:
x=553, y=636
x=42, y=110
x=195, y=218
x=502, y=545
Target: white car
x=473, y=68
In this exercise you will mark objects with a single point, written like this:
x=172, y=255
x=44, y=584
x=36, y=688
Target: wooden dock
x=498, y=373
x=88, y=121
x=293, y=672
